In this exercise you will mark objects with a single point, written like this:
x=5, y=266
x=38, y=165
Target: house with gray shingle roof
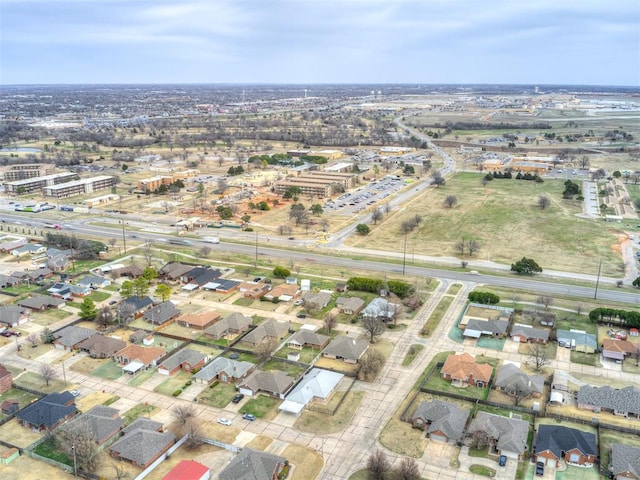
x=350, y=305
x=625, y=462
x=513, y=381
x=475, y=328
x=100, y=423
x=347, y=349
x=307, y=338
x=229, y=326
x=185, y=359
x=12, y=315
x=268, y=330
x=316, y=300
x=554, y=443
x=162, y=313
x=579, y=340
x=9, y=281
x=526, y=333
x=508, y=436
x=42, y=302
x=381, y=309
x=101, y=346
x=94, y=281
x=443, y=421
x=251, y=464
x=142, y=446
x=274, y=383
x=68, y=338
x=624, y=402
x=145, y=424
x=224, y=369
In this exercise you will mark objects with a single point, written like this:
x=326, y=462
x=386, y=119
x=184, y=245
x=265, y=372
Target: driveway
x=508, y=472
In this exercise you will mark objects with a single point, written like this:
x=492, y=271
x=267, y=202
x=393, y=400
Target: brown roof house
x=185, y=359
x=229, y=327
x=443, y=421
x=307, y=338
x=528, y=334
x=142, y=445
x=347, y=349
x=101, y=346
x=224, y=369
x=462, y=370
x=507, y=436
x=136, y=358
x=251, y=464
x=268, y=330
x=283, y=293
x=6, y=379
x=350, y=305
x=618, y=349
x=625, y=462
x=100, y=423
x=316, y=300
x=198, y=321
x=41, y=303
x=274, y=383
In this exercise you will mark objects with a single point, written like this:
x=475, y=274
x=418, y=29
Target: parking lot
x=367, y=196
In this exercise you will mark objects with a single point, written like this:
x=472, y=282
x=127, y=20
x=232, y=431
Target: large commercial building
x=317, y=183
x=80, y=187
x=22, y=171
x=30, y=185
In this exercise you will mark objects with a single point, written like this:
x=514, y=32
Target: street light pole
x=404, y=255
x=75, y=466
x=595, y=294
x=256, y=261
x=124, y=238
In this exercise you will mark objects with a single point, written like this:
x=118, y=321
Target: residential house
x=513, y=381
x=68, y=290
x=185, y=359
x=9, y=246
x=317, y=385
x=7, y=281
x=135, y=306
x=188, y=470
x=200, y=276
x=308, y=338
x=254, y=290
x=49, y=412
x=174, y=270
x=36, y=276
x=462, y=370
x=162, y=314
x=136, y=358
x=625, y=462
x=198, y=321
x=58, y=263
x=222, y=285
x=316, y=300
x=618, y=349
x=527, y=333
x=100, y=423
x=13, y=316
x=250, y=464
x=273, y=383
x=269, y=330
x=347, y=349
x=443, y=421
x=229, y=327
x=29, y=249
x=41, y=303
x=342, y=287
x=94, y=282
x=129, y=271
x=68, y=338
x=508, y=436
x=138, y=336
x=578, y=340
x=624, y=402
x=224, y=369
x=475, y=328
x=101, y=346
x=350, y=305
x=381, y=309
x=142, y=445
x=283, y=293
x=6, y=379
x=555, y=442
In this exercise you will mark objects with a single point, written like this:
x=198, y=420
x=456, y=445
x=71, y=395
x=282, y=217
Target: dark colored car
x=237, y=398
x=502, y=461
x=248, y=416
x=301, y=315
x=540, y=469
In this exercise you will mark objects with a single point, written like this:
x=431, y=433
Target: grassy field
x=36, y=382
x=320, y=423
x=307, y=462
x=109, y=370
x=139, y=410
x=555, y=237
x=218, y=396
x=261, y=406
x=49, y=317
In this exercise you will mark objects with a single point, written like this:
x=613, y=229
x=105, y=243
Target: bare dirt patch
x=27, y=468
x=15, y=434
x=308, y=463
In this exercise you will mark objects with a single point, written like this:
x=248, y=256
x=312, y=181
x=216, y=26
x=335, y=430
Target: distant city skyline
x=559, y=42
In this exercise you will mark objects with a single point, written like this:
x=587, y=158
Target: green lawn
x=50, y=450
x=110, y=371
x=591, y=359
x=139, y=410
x=260, y=405
x=20, y=396
x=49, y=317
x=286, y=367
x=436, y=316
x=412, y=353
x=244, y=357
x=141, y=378
x=482, y=470
x=36, y=382
x=221, y=341
x=218, y=396
x=244, y=302
x=306, y=354
x=21, y=289
x=173, y=383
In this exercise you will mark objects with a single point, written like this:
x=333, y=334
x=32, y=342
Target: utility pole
x=256, y=261
x=64, y=374
x=124, y=238
x=404, y=255
x=595, y=295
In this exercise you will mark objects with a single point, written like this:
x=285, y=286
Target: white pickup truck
x=211, y=239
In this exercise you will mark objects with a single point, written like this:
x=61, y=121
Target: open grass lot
x=308, y=463
x=578, y=473
x=15, y=434
x=218, y=396
x=35, y=381
x=243, y=357
x=555, y=237
x=401, y=438
x=33, y=353
x=15, y=395
x=87, y=365
x=262, y=406
x=110, y=370
x=591, y=359
x=49, y=317
x=551, y=348
x=87, y=402
x=321, y=423
x=173, y=383
x=140, y=410
x=293, y=370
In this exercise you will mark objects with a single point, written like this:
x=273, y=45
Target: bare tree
x=450, y=201
x=188, y=424
x=147, y=253
x=204, y=251
x=79, y=442
x=545, y=301
x=376, y=215
x=33, y=339
x=387, y=208
x=329, y=322
x=120, y=473
x=473, y=246
x=284, y=229
x=480, y=439
x=183, y=413
x=377, y=465
x=112, y=242
x=408, y=470
x=167, y=206
x=105, y=316
x=48, y=373
x=265, y=349
x=125, y=312
x=437, y=179
x=538, y=352
x=373, y=326
x=543, y=202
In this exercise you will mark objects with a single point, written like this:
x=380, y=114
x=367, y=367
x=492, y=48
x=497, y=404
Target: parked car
x=237, y=398
x=224, y=421
x=75, y=393
x=248, y=416
x=539, y=469
x=297, y=303
x=502, y=461
x=301, y=315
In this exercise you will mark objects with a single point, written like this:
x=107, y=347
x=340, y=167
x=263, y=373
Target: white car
x=224, y=421
x=75, y=393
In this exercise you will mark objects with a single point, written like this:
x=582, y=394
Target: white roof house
x=317, y=384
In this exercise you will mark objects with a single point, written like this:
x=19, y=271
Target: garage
x=438, y=437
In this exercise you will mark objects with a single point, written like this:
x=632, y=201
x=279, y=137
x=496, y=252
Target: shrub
x=177, y=392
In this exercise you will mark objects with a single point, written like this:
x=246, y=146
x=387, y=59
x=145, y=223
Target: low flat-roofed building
x=30, y=185
x=22, y=171
x=79, y=187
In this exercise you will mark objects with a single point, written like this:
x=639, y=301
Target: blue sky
x=589, y=42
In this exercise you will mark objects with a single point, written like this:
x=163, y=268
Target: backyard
x=321, y=423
